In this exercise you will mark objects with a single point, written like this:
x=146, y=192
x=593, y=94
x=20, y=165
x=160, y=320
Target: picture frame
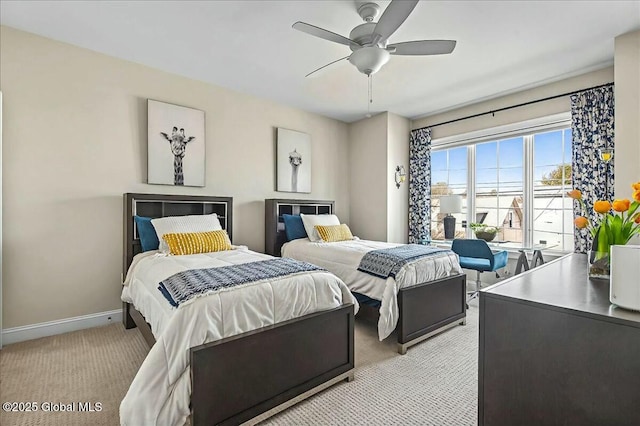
x=176, y=145
x=293, y=161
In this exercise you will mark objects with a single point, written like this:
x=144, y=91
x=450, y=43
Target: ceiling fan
x=368, y=41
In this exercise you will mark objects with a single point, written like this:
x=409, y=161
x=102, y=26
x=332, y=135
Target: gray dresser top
x=564, y=284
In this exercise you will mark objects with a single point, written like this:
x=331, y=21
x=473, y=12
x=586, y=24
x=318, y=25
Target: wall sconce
x=401, y=176
x=606, y=154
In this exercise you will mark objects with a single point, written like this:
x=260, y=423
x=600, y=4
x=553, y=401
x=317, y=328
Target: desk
x=523, y=249
x=554, y=351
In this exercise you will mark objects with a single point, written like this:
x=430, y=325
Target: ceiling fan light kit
x=369, y=59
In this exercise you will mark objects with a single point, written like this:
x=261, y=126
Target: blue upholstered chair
x=476, y=255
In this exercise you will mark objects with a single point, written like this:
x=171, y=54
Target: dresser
x=554, y=351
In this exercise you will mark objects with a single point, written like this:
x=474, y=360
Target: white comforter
x=160, y=392
x=343, y=258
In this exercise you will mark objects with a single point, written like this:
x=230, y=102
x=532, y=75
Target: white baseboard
x=51, y=328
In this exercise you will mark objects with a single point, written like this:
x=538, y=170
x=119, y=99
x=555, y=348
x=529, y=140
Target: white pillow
x=311, y=220
x=181, y=224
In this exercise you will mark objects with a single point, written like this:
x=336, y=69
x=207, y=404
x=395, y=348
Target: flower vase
x=599, y=263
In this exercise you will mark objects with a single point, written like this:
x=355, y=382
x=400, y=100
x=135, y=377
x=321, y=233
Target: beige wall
x=367, y=177
x=627, y=127
x=75, y=141
x=379, y=210
x=397, y=198
x=515, y=115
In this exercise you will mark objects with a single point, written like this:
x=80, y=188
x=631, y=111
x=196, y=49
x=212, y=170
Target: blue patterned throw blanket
x=184, y=286
x=385, y=263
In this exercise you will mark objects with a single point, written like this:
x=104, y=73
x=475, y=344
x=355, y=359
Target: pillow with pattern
x=197, y=242
x=333, y=233
x=311, y=220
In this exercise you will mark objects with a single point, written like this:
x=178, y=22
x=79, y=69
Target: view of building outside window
x=448, y=177
x=499, y=188
x=552, y=209
x=500, y=195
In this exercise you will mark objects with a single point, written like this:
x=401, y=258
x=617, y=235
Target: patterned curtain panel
x=592, y=119
x=420, y=185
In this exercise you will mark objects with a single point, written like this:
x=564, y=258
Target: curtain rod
x=492, y=112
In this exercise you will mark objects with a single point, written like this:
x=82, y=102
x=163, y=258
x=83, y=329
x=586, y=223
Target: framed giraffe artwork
x=175, y=145
x=293, y=161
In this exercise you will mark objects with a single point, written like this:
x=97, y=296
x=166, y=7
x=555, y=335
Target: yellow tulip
x=621, y=205
x=636, y=195
x=636, y=186
x=581, y=222
x=637, y=219
x=575, y=194
x=602, y=206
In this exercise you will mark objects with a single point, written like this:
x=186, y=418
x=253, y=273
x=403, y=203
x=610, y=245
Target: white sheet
x=343, y=258
x=160, y=392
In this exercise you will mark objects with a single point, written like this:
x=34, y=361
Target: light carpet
x=435, y=383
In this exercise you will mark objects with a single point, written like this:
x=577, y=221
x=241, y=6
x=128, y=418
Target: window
x=517, y=183
x=499, y=187
x=448, y=176
x=552, y=209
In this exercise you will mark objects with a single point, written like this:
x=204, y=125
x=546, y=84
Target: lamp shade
x=451, y=204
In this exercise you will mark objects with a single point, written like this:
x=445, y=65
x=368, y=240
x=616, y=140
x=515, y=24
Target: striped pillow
x=332, y=233
x=197, y=242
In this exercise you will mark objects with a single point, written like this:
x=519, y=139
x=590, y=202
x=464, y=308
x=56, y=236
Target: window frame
x=526, y=130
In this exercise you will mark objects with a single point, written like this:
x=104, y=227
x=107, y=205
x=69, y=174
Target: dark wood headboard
x=160, y=205
x=274, y=235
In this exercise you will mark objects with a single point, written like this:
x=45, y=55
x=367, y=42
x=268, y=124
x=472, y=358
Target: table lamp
x=450, y=204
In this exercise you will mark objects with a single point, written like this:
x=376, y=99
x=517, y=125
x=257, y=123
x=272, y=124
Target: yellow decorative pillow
x=197, y=242
x=332, y=233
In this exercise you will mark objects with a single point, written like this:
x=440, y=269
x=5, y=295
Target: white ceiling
x=249, y=46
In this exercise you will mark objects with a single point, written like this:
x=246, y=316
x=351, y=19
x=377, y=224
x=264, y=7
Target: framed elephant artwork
x=176, y=145
x=293, y=161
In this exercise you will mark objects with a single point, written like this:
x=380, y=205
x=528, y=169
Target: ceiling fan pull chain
x=371, y=93
x=369, y=96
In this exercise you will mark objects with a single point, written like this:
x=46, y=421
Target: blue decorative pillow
x=293, y=227
x=146, y=233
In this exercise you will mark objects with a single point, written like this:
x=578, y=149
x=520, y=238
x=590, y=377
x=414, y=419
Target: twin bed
x=234, y=356
x=249, y=350
x=426, y=297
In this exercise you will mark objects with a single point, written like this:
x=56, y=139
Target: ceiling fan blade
x=324, y=66
x=423, y=47
x=322, y=33
x=394, y=15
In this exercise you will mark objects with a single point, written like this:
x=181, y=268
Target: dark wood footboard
x=255, y=375
x=429, y=308
x=424, y=310
x=264, y=371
